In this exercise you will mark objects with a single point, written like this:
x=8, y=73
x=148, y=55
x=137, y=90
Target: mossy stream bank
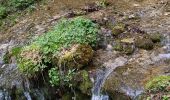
x=58, y=50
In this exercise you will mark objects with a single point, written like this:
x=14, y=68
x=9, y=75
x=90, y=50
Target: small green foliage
x=30, y=60
x=3, y=12
x=165, y=97
x=57, y=79
x=54, y=77
x=65, y=34
x=68, y=32
x=118, y=29
x=86, y=84
x=156, y=37
x=21, y=4
x=159, y=83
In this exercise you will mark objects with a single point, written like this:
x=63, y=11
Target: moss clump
x=66, y=33
x=86, y=84
x=118, y=46
x=144, y=43
x=158, y=84
x=118, y=29
x=77, y=57
x=30, y=60
x=156, y=37
x=123, y=47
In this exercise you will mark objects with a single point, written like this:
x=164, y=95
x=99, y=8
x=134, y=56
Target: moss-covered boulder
x=83, y=82
x=156, y=37
x=30, y=60
x=125, y=48
x=144, y=43
x=78, y=56
x=118, y=29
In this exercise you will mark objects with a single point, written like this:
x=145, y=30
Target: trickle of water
x=27, y=95
x=102, y=76
x=167, y=46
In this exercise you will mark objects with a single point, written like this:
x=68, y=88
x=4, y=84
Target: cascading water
x=167, y=47
x=102, y=76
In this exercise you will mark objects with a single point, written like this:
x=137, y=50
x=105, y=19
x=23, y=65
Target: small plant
x=3, y=12
x=21, y=4
x=30, y=60
x=158, y=84
x=57, y=79
x=67, y=33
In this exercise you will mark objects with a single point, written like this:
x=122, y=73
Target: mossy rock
x=118, y=29
x=118, y=46
x=82, y=82
x=30, y=60
x=78, y=56
x=158, y=84
x=124, y=47
x=144, y=43
x=156, y=37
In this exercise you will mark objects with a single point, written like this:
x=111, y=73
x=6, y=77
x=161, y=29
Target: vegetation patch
x=71, y=39
x=160, y=83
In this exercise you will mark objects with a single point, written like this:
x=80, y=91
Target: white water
x=102, y=76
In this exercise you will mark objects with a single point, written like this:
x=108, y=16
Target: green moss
x=118, y=29
x=144, y=43
x=118, y=46
x=123, y=47
x=156, y=37
x=158, y=84
x=51, y=44
x=86, y=84
x=77, y=57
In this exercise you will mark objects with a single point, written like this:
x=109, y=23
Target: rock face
x=128, y=81
x=78, y=56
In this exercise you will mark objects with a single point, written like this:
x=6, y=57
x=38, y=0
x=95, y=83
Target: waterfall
x=167, y=47
x=102, y=76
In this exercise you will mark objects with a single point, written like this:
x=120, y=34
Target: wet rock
x=144, y=43
x=129, y=80
x=78, y=56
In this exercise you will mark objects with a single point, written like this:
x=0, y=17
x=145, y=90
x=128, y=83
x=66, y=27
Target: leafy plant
x=56, y=78
x=21, y=4
x=67, y=33
x=159, y=83
x=3, y=12
x=29, y=60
